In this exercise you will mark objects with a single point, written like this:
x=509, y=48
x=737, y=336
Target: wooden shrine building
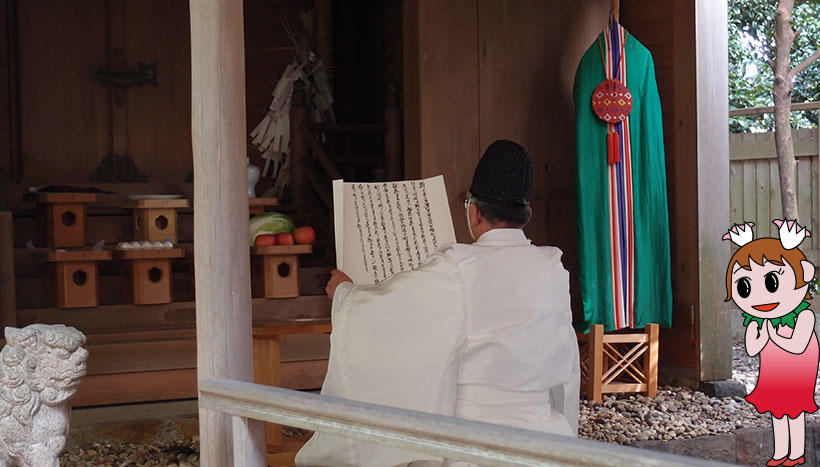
x=115, y=94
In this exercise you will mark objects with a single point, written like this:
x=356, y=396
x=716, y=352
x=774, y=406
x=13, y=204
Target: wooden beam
x=767, y=110
x=121, y=318
x=145, y=355
x=222, y=264
x=745, y=146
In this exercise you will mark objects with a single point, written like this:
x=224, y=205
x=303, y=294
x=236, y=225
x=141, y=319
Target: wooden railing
x=483, y=443
x=754, y=181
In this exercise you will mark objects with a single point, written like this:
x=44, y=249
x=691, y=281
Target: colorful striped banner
x=621, y=231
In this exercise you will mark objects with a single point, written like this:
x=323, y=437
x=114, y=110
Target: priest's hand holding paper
x=336, y=278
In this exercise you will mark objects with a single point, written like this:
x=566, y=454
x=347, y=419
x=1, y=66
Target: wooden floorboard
x=136, y=387
x=163, y=385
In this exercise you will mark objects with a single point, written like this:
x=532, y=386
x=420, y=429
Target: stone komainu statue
x=40, y=370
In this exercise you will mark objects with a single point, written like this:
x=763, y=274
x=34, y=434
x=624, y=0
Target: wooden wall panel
x=527, y=54
x=526, y=76
x=268, y=51
x=70, y=120
x=65, y=113
x=516, y=61
x=447, y=97
x=5, y=92
x=653, y=23
x=159, y=117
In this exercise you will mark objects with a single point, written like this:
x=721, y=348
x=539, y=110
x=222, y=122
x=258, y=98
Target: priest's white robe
x=481, y=331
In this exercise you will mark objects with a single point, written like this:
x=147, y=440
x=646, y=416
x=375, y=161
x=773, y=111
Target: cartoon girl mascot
x=768, y=280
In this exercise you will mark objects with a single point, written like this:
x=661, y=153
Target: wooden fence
x=754, y=183
x=454, y=438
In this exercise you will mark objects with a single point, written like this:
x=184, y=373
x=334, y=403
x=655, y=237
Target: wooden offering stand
x=267, y=370
x=275, y=270
x=156, y=219
x=257, y=206
x=619, y=361
x=148, y=274
x=76, y=275
x=63, y=216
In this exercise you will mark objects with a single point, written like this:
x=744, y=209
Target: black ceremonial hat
x=503, y=175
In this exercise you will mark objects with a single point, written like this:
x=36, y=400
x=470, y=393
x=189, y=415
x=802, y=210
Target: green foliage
x=751, y=45
x=814, y=287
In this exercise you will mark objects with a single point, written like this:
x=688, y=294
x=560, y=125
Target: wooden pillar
x=711, y=217
x=222, y=264
x=8, y=309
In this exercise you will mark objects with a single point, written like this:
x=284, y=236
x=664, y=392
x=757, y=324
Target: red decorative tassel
x=613, y=148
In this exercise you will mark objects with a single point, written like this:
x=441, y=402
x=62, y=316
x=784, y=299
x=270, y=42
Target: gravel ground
x=177, y=453
x=184, y=453
x=676, y=412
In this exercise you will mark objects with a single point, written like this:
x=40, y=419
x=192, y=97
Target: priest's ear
x=474, y=216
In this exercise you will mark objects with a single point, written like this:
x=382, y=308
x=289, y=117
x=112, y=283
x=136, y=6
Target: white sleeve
x=396, y=344
x=342, y=291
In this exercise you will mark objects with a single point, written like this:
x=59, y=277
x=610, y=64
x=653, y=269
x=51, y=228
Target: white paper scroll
x=385, y=228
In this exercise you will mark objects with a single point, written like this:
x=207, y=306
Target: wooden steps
x=148, y=353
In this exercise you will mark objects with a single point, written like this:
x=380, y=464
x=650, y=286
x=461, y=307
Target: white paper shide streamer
x=272, y=135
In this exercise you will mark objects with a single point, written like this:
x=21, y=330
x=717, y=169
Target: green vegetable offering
x=270, y=223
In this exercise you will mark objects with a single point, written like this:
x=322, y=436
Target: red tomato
x=284, y=238
x=265, y=240
x=304, y=235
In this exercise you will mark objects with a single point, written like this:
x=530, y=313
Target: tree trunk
x=784, y=36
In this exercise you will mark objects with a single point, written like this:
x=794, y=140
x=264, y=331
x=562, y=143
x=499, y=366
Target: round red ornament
x=612, y=101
